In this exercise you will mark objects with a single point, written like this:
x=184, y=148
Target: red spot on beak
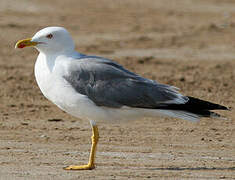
x=21, y=45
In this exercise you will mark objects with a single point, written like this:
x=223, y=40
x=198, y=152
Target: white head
x=49, y=40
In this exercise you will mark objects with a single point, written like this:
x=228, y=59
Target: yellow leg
x=91, y=163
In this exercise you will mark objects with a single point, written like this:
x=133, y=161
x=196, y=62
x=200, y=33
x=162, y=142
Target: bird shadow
x=192, y=169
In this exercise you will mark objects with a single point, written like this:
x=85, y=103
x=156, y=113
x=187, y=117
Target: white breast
x=43, y=75
x=49, y=77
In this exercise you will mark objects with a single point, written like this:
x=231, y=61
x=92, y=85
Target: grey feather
x=108, y=84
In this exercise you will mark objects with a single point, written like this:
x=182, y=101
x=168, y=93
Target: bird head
x=49, y=40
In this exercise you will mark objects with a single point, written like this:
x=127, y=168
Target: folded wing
x=108, y=84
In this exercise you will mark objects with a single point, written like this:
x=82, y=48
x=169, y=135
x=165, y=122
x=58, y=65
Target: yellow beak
x=25, y=43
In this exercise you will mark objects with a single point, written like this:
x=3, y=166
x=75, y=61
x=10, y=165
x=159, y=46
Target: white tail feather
x=181, y=114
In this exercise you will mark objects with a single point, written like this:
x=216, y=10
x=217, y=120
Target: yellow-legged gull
x=100, y=90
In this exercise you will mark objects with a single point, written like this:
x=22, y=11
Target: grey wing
x=108, y=84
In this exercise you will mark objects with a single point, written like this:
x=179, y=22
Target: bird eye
x=49, y=36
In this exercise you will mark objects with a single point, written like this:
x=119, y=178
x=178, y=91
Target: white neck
x=50, y=58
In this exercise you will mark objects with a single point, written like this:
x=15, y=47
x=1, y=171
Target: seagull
x=102, y=91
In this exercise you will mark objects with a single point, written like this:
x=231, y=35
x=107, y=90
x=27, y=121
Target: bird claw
x=83, y=167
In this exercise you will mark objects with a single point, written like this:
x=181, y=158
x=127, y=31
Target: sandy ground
x=189, y=44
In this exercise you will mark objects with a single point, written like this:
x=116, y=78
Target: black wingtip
x=221, y=107
x=205, y=105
